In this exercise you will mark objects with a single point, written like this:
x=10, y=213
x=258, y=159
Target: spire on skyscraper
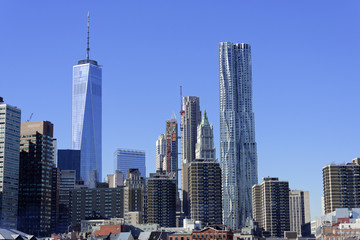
x=204, y=120
x=88, y=38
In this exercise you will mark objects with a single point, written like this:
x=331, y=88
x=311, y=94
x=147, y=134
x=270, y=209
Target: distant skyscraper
x=341, y=186
x=238, y=156
x=190, y=118
x=205, y=178
x=69, y=159
x=299, y=204
x=271, y=205
x=86, y=116
x=125, y=159
x=10, y=118
x=160, y=152
x=35, y=178
x=171, y=136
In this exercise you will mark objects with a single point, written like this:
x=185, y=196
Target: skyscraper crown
x=204, y=120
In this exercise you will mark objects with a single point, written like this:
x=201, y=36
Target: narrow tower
x=86, y=116
x=190, y=119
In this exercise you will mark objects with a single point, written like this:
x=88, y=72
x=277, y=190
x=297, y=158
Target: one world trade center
x=86, y=117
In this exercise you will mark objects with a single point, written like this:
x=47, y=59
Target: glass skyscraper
x=125, y=159
x=86, y=117
x=238, y=155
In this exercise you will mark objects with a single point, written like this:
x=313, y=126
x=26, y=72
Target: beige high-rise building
x=270, y=201
x=299, y=204
x=116, y=179
x=341, y=185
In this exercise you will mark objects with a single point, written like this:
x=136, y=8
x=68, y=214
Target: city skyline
x=304, y=83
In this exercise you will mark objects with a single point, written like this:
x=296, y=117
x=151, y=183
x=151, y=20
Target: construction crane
x=30, y=117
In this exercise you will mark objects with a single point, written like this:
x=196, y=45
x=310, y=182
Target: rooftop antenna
x=88, y=33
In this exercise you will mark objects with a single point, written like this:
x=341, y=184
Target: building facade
x=95, y=203
x=10, y=118
x=205, y=191
x=341, y=186
x=55, y=186
x=190, y=118
x=135, y=195
x=161, y=199
x=67, y=183
x=35, y=178
x=271, y=205
x=299, y=209
x=238, y=154
x=86, y=117
x=69, y=159
x=125, y=159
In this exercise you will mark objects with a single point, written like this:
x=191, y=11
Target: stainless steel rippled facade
x=238, y=154
x=86, y=118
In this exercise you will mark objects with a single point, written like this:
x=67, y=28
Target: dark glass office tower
x=35, y=178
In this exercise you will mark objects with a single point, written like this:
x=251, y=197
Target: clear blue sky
x=305, y=73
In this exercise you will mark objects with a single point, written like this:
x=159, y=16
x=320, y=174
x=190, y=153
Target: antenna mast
x=88, y=33
x=181, y=102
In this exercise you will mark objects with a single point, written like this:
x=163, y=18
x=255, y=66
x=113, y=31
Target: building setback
x=86, y=117
x=190, y=119
x=10, y=118
x=238, y=154
x=95, y=203
x=125, y=159
x=161, y=199
x=341, y=186
x=270, y=201
x=299, y=204
x=35, y=178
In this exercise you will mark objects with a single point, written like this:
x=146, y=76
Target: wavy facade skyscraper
x=238, y=154
x=86, y=117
